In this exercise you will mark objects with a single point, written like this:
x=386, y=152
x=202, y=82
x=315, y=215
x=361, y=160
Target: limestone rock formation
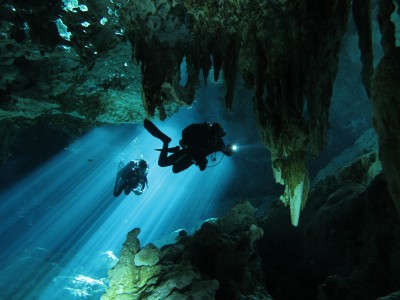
x=366, y=143
x=386, y=112
x=62, y=63
x=147, y=256
x=392, y=296
x=347, y=245
x=219, y=261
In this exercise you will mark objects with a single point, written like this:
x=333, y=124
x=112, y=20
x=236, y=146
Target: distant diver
x=131, y=178
x=198, y=141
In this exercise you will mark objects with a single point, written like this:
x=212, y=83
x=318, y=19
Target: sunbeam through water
x=63, y=227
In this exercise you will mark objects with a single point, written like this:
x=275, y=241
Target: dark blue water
x=62, y=227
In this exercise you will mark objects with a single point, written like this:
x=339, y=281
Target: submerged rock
x=347, y=245
x=147, y=256
x=218, y=262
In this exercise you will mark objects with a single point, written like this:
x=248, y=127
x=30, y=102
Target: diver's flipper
x=119, y=185
x=120, y=165
x=154, y=131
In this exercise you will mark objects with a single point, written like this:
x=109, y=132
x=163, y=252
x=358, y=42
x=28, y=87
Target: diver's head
x=143, y=167
x=218, y=130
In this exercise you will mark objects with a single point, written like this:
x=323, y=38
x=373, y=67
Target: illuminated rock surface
x=219, y=261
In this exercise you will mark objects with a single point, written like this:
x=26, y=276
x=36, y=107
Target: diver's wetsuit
x=201, y=141
x=164, y=160
x=130, y=179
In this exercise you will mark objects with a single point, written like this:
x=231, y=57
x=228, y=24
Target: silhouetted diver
x=131, y=178
x=198, y=141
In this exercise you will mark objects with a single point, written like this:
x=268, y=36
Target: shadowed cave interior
x=306, y=208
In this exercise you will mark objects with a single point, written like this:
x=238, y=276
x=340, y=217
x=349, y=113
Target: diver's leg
x=182, y=164
x=127, y=190
x=119, y=182
x=122, y=175
x=118, y=190
x=164, y=160
x=119, y=186
x=154, y=131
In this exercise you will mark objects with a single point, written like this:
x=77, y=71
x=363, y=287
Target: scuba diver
x=198, y=141
x=131, y=178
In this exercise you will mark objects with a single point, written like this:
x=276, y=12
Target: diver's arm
x=227, y=150
x=219, y=145
x=138, y=191
x=143, y=183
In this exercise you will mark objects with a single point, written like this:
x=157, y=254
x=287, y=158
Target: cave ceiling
x=84, y=64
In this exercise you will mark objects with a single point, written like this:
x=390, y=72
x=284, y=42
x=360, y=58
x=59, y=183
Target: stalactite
x=206, y=65
x=326, y=31
x=230, y=69
x=280, y=118
x=295, y=58
x=205, y=57
x=217, y=62
x=295, y=176
x=193, y=70
x=158, y=69
x=362, y=18
x=388, y=40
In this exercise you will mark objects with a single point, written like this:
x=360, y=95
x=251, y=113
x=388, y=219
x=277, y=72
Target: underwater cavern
x=307, y=207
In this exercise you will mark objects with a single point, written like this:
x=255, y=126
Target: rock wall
x=386, y=112
x=386, y=101
x=347, y=245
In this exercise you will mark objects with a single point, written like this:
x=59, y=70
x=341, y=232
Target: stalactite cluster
x=287, y=52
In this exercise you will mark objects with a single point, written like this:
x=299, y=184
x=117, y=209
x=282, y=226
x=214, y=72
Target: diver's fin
x=154, y=131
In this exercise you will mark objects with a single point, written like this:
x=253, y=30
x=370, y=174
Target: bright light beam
x=76, y=217
x=50, y=209
x=172, y=201
x=59, y=221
